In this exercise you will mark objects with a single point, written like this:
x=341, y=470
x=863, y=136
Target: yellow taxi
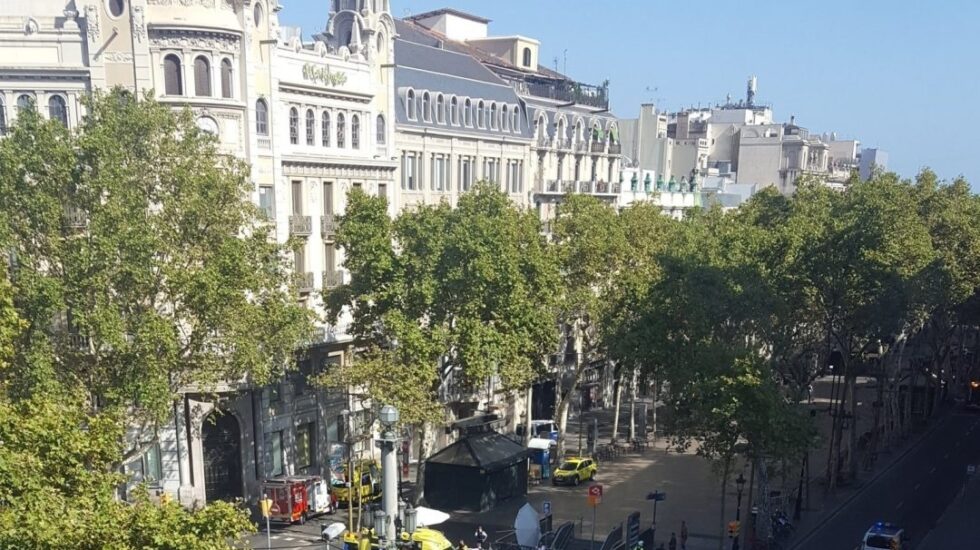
x=575, y=470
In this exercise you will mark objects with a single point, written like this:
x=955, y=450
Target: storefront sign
x=323, y=75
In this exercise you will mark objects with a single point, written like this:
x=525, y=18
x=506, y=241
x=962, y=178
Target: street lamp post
x=389, y=473
x=740, y=485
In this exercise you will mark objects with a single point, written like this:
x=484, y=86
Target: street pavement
x=957, y=528
x=913, y=492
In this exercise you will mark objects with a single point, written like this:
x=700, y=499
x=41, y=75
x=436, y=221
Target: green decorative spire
x=660, y=182
x=672, y=184
x=634, y=180
x=646, y=183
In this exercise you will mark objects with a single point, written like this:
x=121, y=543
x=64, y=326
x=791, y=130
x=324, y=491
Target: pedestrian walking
x=481, y=536
x=683, y=535
x=672, y=544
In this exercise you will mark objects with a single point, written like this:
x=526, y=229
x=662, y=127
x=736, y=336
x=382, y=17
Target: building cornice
x=314, y=91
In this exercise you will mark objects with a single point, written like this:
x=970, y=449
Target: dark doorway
x=221, y=443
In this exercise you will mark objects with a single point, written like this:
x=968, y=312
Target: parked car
x=575, y=470
x=885, y=536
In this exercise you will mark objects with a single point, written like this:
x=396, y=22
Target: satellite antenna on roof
x=556, y=63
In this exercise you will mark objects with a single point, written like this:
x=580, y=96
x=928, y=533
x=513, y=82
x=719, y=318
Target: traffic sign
x=595, y=495
x=546, y=506
x=658, y=496
x=733, y=529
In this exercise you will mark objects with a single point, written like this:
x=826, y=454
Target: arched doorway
x=221, y=444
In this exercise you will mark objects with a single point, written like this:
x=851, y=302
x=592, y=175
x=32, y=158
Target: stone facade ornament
x=93, y=29
x=117, y=57
x=139, y=23
x=31, y=26
x=190, y=39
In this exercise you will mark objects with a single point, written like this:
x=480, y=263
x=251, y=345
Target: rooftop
x=447, y=11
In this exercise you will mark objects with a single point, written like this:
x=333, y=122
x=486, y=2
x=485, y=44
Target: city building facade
x=254, y=86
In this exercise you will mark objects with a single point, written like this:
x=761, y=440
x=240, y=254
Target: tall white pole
x=389, y=476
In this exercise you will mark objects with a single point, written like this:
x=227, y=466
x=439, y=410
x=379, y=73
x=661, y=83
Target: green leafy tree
x=590, y=247
x=466, y=291
x=138, y=268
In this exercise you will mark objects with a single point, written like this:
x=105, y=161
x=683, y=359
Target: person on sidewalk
x=481, y=537
x=672, y=544
x=683, y=535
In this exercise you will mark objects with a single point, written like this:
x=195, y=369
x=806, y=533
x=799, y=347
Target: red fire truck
x=297, y=498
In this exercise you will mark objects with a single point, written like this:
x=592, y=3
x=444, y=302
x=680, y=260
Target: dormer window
x=440, y=109
x=468, y=113
x=410, y=105
x=426, y=104
x=481, y=115
x=493, y=116
x=526, y=61
x=454, y=111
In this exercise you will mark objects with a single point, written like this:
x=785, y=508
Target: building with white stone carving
x=256, y=87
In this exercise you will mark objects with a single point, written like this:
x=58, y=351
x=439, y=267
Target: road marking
x=933, y=470
x=900, y=505
x=917, y=485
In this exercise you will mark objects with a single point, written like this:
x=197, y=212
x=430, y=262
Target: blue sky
x=902, y=75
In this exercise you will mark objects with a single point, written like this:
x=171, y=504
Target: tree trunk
x=742, y=536
x=633, y=384
x=653, y=405
x=724, y=485
x=528, y=413
x=616, y=408
x=852, y=462
x=420, y=469
x=561, y=417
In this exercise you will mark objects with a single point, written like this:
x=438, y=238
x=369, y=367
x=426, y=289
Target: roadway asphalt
x=913, y=493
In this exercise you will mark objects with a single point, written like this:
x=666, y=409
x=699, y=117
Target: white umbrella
x=333, y=530
x=527, y=528
x=427, y=517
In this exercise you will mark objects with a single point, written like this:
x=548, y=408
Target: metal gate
x=221, y=444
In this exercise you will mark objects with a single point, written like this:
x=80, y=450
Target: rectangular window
x=409, y=172
x=465, y=173
x=329, y=258
x=267, y=201
x=305, y=445
x=438, y=173
x=297, y=192
x=299, y=259
x=383, y=190
x=357, y=185
x=275, y=449
x=303, y=372
x=151, y=464
x=327, y=198
x=491, y=170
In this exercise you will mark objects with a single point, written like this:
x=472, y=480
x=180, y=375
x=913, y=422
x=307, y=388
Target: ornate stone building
x=311, y=119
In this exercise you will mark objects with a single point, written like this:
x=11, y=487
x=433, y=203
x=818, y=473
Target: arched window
x=261, y=118
x=57, y=110
x=426, y=114
x=325, y=129
x=355, y=132
x=226, y=78
x=527, y=57
x=341, y=129
x=310, y=127
x=202, y=76
x=504, y=118
x=515, y=122
x=294, y=126
x=173, y=82
x=480, y=115
x=25, y=102
x=493, y=116
x=382, y=130
x=3, y=118
x=410, y=104
x=454, y=110
x=116, y=7
x=440, y=109
x=381, y=44
x=257, y=14
x=468, y=113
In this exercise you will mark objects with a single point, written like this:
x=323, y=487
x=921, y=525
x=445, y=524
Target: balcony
x=304, y=282
x=328, y=226
x=552, y=186
x=581, y=147
x=569, y=91
x=564, y=144
x=544, y=139
x=586, y=187
x=300, y=226
x=567, y=187
x=75, y=218
x=598, y=146
x=333, y=279
x=615, y=149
